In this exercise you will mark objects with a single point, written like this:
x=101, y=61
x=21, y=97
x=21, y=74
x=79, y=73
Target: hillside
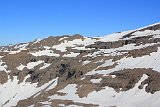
x=117, y=70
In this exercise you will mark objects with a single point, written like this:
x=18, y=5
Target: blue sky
x=26, y=20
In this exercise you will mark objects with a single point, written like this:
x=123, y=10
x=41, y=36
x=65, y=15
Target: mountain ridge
x=155, y=24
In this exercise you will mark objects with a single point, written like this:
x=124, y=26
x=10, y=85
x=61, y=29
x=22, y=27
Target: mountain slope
x=117, y=70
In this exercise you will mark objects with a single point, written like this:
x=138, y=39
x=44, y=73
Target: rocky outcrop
x=127, y=78
x=116, y=44
x=65, y=72
x=144, y=51
x=3, y=77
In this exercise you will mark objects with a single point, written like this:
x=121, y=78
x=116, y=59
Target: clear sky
x=26, y=20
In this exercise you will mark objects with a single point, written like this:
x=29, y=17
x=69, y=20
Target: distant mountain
x=117, y=70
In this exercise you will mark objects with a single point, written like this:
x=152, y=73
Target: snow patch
x=45, y=53
x=14, y=52
x=3, y=66
x=145, y=33
x=72, y=54
x=37, y=40
x=31, y=65
x=147, y=61
x=134, y=97
x=13, y=92
x=22, y=46
x=83, y=78
x=114, y=36
x=96, y=80
x=45, y=66
x=107, y=63
x=75, y=44
x=21, y=67
x=62, y=38
x=86, y=62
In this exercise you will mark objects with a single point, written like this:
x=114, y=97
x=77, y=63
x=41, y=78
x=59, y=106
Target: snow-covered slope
x=117, y=70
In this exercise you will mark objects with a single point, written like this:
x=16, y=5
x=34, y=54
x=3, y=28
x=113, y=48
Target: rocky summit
x=117, y=70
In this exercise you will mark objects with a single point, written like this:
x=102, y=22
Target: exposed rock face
x=137, y=41
x=3, y=77
x=81, y=71
x=127, y=78
x=65, y=72
x=144, y=51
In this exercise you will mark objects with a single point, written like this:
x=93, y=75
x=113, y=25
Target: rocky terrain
x=117, y=70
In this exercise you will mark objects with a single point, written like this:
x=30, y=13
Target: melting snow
x=14, y=92
x=134, y=97
x=45, y=66
x=31, y=106
x=14, y=52
x=83, y=78
x=86, y=62
x=145, y=33
x=22, y=46
x=113, y=76
x=63, y=38
x=116, y=51
x=107, y=63
x=147, y=61
x=45, y=53
x=72, y=54
x=63, y=46
x=21, y=67
x=3, y=66
x=96, y=80
x=114, y=36
x=31, y=65
x=37, y=40
x=46, y=104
